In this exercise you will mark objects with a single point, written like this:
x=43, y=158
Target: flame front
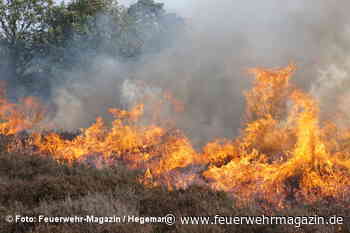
x=285, y=154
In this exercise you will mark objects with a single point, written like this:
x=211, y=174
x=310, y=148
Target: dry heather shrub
x=97, y=204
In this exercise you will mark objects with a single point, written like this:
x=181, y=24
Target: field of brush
x=33, y=185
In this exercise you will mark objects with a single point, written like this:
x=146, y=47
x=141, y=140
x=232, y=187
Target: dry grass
x=32, y=185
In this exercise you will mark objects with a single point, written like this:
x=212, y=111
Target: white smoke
x=205, y=69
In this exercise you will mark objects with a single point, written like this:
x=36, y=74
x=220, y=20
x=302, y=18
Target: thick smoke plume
x=206, y=67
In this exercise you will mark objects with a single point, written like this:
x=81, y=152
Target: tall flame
x=285, y=154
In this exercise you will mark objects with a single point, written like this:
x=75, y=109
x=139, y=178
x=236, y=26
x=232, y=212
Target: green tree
x=39, y=39
x=81, y=30
x=23, y=32
x=151, y=28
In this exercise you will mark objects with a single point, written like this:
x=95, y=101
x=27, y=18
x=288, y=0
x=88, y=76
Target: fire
x=16, y=117
x=151, y=148
x=123, y=138
x=286, y=153
x=283, y=154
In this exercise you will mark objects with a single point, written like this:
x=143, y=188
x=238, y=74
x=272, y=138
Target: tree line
x=39, y=38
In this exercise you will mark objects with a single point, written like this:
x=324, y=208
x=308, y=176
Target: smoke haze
x=206, y=67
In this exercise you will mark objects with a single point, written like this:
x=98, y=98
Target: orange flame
x=16, y=117
x=285, y=154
